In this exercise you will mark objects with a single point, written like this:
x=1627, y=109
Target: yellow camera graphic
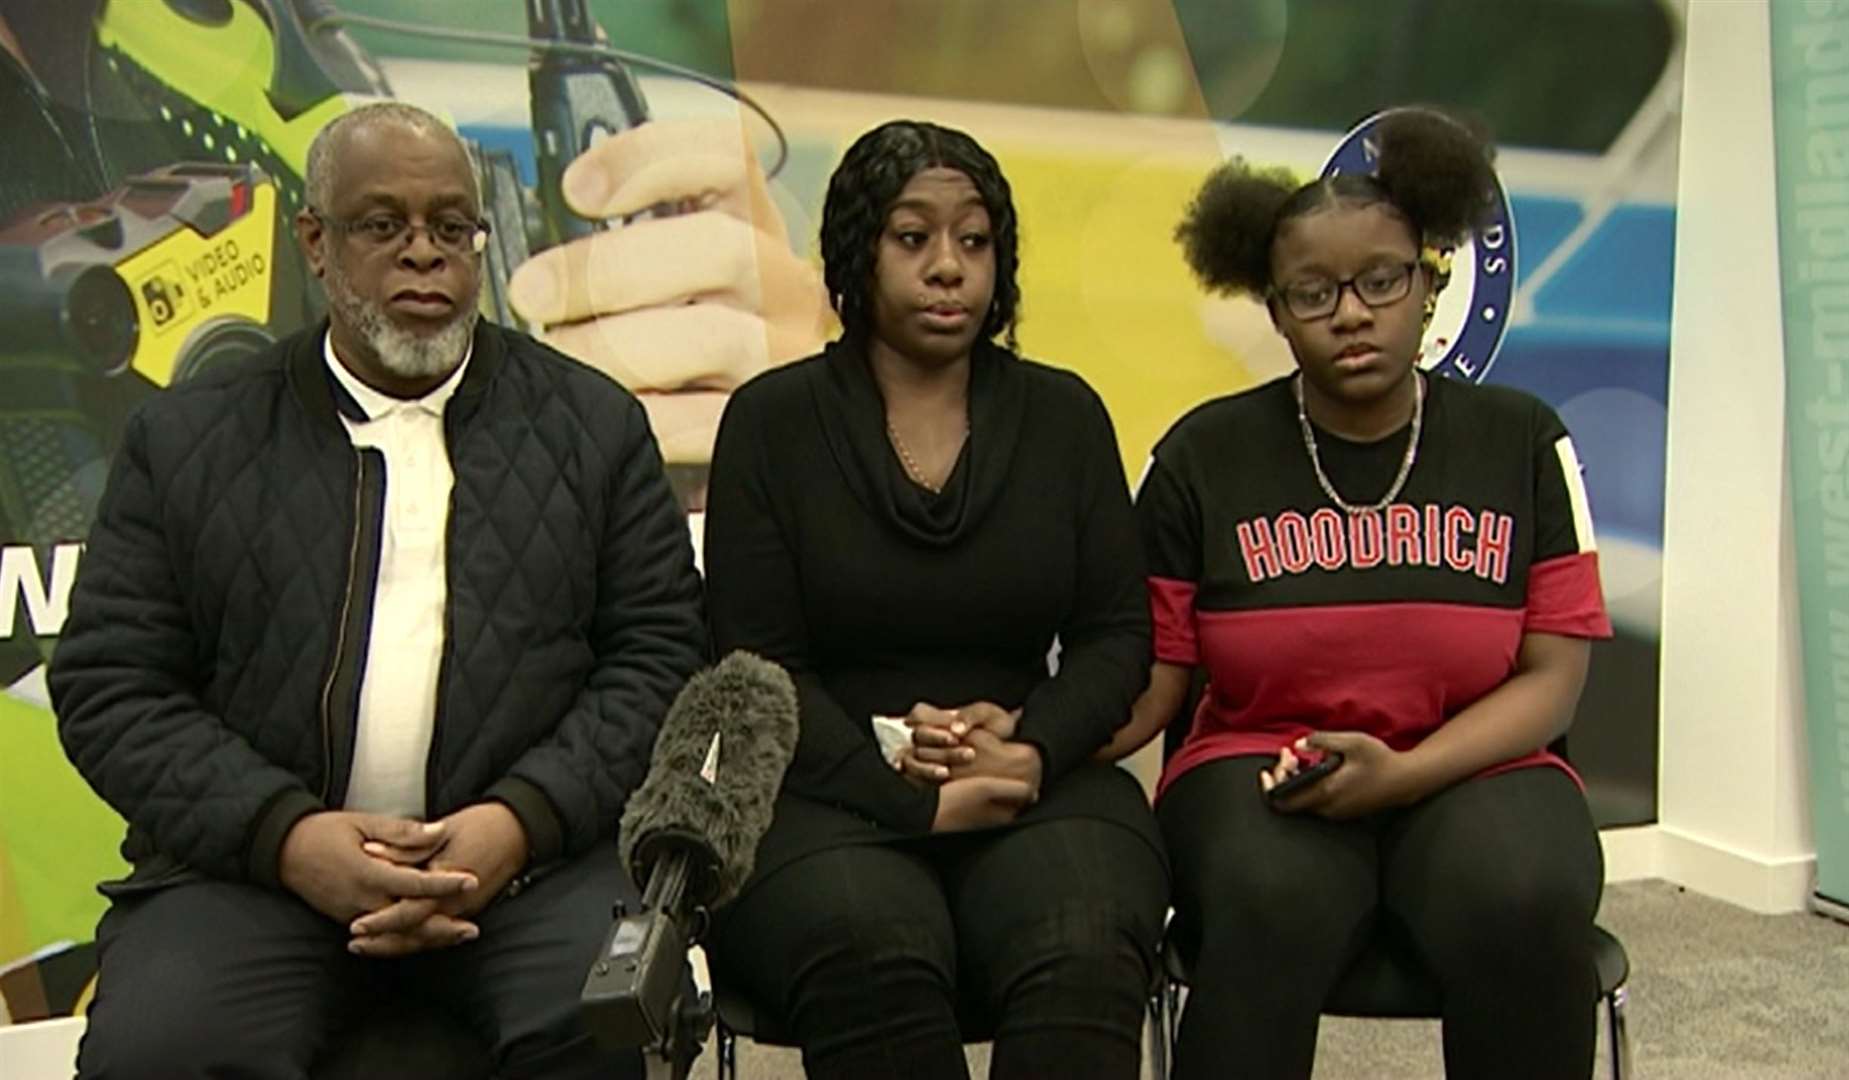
x=171, y=274
x=174, y=273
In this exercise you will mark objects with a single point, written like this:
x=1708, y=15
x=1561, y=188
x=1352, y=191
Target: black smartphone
x=1303, y=778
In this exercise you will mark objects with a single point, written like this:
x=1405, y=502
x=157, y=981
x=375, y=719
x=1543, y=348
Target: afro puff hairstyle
x=1436, y=171
x=872, y=174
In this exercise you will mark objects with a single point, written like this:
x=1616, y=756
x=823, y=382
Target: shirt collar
x=375, y=405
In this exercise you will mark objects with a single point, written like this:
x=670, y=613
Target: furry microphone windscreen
x=721, y=794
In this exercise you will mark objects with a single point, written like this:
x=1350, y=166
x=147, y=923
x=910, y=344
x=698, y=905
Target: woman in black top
x=908, y=522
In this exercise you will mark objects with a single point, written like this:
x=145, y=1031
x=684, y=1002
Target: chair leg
x=1172, y=1001
x=728, y=1053
x=1620, y=1033
x=1158, y=1034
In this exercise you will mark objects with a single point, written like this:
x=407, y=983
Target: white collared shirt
x=398, y=690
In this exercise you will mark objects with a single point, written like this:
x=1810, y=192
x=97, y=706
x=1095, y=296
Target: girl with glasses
x=1393, y=572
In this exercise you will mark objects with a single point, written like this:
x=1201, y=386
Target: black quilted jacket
x=207, y=680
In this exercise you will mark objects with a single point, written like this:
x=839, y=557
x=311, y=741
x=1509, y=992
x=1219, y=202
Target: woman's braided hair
x=872, y=174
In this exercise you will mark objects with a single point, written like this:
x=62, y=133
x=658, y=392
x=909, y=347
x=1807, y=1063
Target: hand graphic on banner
x=693, y=293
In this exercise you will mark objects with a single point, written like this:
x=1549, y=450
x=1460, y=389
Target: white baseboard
x=40, y=1050
x=1632, y=853
x=1770, y=885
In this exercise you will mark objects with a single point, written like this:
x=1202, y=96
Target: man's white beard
x=401, y=352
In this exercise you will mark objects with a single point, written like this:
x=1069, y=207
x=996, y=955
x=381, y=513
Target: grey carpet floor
x=1717, y=993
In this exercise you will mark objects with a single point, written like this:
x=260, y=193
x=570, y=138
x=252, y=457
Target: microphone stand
x=637, y=994
x=576, y=100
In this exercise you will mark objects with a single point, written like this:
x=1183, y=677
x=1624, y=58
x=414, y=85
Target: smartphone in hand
x=1303, y=778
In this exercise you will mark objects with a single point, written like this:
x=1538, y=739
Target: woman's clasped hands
x=984, y=778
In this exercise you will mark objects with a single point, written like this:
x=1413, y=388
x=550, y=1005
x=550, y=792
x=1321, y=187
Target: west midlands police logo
x=1466, y=328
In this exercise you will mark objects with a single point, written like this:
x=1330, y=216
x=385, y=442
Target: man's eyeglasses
x=1317, y=298
x=457, y=234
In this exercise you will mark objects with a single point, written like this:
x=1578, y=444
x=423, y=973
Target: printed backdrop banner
x=154, y=162
x=1810, y=115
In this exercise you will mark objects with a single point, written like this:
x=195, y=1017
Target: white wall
x=1733, y=807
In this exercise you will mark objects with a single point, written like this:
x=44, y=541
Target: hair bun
x=1226, y=233
x=1438, y=169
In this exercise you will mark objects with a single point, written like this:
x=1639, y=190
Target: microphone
x=577, y=99
x=690, y=832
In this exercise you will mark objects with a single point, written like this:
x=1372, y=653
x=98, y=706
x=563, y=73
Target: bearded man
x=369, y=646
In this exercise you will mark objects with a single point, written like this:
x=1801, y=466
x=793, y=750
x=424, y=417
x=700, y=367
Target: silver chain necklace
x=1316, y=463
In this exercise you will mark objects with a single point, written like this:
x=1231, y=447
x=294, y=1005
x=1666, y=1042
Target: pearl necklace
x=1412, y=450
x=911, y=465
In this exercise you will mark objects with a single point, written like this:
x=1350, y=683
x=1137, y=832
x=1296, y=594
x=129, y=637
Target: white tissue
x=893, y=736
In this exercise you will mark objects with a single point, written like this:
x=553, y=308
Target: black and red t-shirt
x=1306, y=617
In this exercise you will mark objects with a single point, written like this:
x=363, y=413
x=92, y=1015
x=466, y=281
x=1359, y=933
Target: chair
x=1388, y=982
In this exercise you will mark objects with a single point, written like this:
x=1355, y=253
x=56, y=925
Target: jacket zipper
x=340, y=635
x=431, y=756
